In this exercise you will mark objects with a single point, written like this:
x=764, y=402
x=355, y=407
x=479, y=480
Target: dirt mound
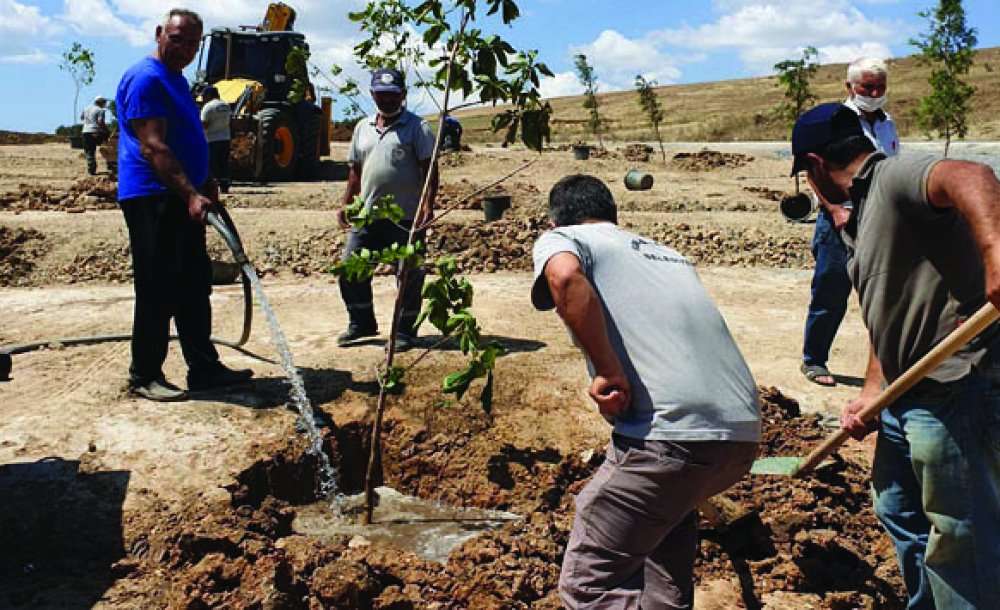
x=637, y=153
x=819, y=534
x=15, y=138
x=706, y=160
x=90, y=193
x=501, y=245
x=766, y=193
x=524, y=195
x=731, y=247
x=19, y=249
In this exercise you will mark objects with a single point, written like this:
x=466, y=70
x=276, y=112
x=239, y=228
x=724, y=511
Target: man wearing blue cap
x=924, y=240
x=390, y=154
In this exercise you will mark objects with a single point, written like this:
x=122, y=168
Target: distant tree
x=947, y=46
x=794, y=75
x=650, y=104
x=585, y=73
x=78, y=61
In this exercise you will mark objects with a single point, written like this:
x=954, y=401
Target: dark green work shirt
x=916, y=267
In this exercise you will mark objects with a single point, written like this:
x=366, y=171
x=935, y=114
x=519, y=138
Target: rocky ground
x=112, y=502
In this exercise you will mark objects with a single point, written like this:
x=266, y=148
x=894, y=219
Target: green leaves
x=447, y=303
x=479, y=367
x=78, y=61
x=948, y=46
x=393, y=380
x=794, y=75
x=360, y=215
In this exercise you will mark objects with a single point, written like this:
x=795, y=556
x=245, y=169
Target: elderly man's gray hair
x=866, y=65
x=185, y=13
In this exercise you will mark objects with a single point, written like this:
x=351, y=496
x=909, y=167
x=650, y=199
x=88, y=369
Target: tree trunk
x=656, y=129
x=76, y=101
x=375, y=454
x=947, y=142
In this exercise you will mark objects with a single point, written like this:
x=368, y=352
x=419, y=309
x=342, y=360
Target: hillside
x=741, y=109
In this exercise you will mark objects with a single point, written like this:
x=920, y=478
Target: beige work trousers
x=635, y=533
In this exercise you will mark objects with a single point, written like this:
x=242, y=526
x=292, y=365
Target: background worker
x=95, y=131
x=215, y=118
x=866, y=95
x=390, y=154
x=667, y=372
x=924, y=236
x=164, y=191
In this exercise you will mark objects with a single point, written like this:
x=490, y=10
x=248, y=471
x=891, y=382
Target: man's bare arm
x=152, y=135
x=581, y=309
x=973, y=189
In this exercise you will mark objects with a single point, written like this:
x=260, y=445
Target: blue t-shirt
x=149, y=90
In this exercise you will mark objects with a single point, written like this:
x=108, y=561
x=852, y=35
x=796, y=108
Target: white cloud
x=765, y=32
x=22, y=27
x=562, y=84
x=617, y=60
x=35, y=56
x=96, y=18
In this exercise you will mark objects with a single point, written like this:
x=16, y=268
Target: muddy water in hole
x=425, y=528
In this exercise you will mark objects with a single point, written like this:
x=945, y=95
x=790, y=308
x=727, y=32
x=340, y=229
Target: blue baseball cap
x=388, y=79
x=820, y=126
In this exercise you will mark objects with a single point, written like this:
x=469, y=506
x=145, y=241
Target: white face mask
x=868, y=104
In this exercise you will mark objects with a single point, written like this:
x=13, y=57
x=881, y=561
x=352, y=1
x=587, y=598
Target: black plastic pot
x=581, y=153
x=797, y=208
x=76, y=142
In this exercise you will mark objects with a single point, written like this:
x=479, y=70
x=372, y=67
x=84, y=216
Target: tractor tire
x=311, y=128
x=279, y=144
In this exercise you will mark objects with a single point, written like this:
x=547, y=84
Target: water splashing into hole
x=328, y=477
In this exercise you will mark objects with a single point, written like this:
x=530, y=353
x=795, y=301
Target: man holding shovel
x=668, y=375
x=924, y=238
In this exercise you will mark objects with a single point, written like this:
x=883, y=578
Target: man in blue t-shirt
x=164, y=192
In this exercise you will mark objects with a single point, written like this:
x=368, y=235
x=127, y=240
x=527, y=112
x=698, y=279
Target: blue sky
x=673, y=42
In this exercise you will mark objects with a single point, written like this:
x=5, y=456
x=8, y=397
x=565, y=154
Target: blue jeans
x=936, y=486
x=831, y=287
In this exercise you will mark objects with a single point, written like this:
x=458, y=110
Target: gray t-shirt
x=93, y=119
x=215, y=117
x=689, y=380
x=916, y=267
x=389, y=159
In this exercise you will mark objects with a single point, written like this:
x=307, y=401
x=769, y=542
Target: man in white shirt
x=866, y=87
x=215, y=116
x=94, y=132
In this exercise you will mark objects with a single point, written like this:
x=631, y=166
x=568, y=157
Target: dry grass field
x=741, y=110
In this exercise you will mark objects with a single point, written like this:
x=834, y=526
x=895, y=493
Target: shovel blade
x=782, y=466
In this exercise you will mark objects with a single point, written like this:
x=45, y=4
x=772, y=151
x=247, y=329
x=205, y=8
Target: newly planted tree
x=484, y=68
x=650, y=104
x=948, y=47
x=78, y=62
x=794, y=75
x=585, y=74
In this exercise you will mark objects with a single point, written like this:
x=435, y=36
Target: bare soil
x=114, y=502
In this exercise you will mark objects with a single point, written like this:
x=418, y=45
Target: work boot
x=355, y=332
x=215, y=377
x=159, y=390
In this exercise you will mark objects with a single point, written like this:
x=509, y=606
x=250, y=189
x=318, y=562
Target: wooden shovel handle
x=958, y=338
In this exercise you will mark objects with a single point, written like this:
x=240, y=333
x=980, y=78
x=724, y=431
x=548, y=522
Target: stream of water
x=328, y=477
